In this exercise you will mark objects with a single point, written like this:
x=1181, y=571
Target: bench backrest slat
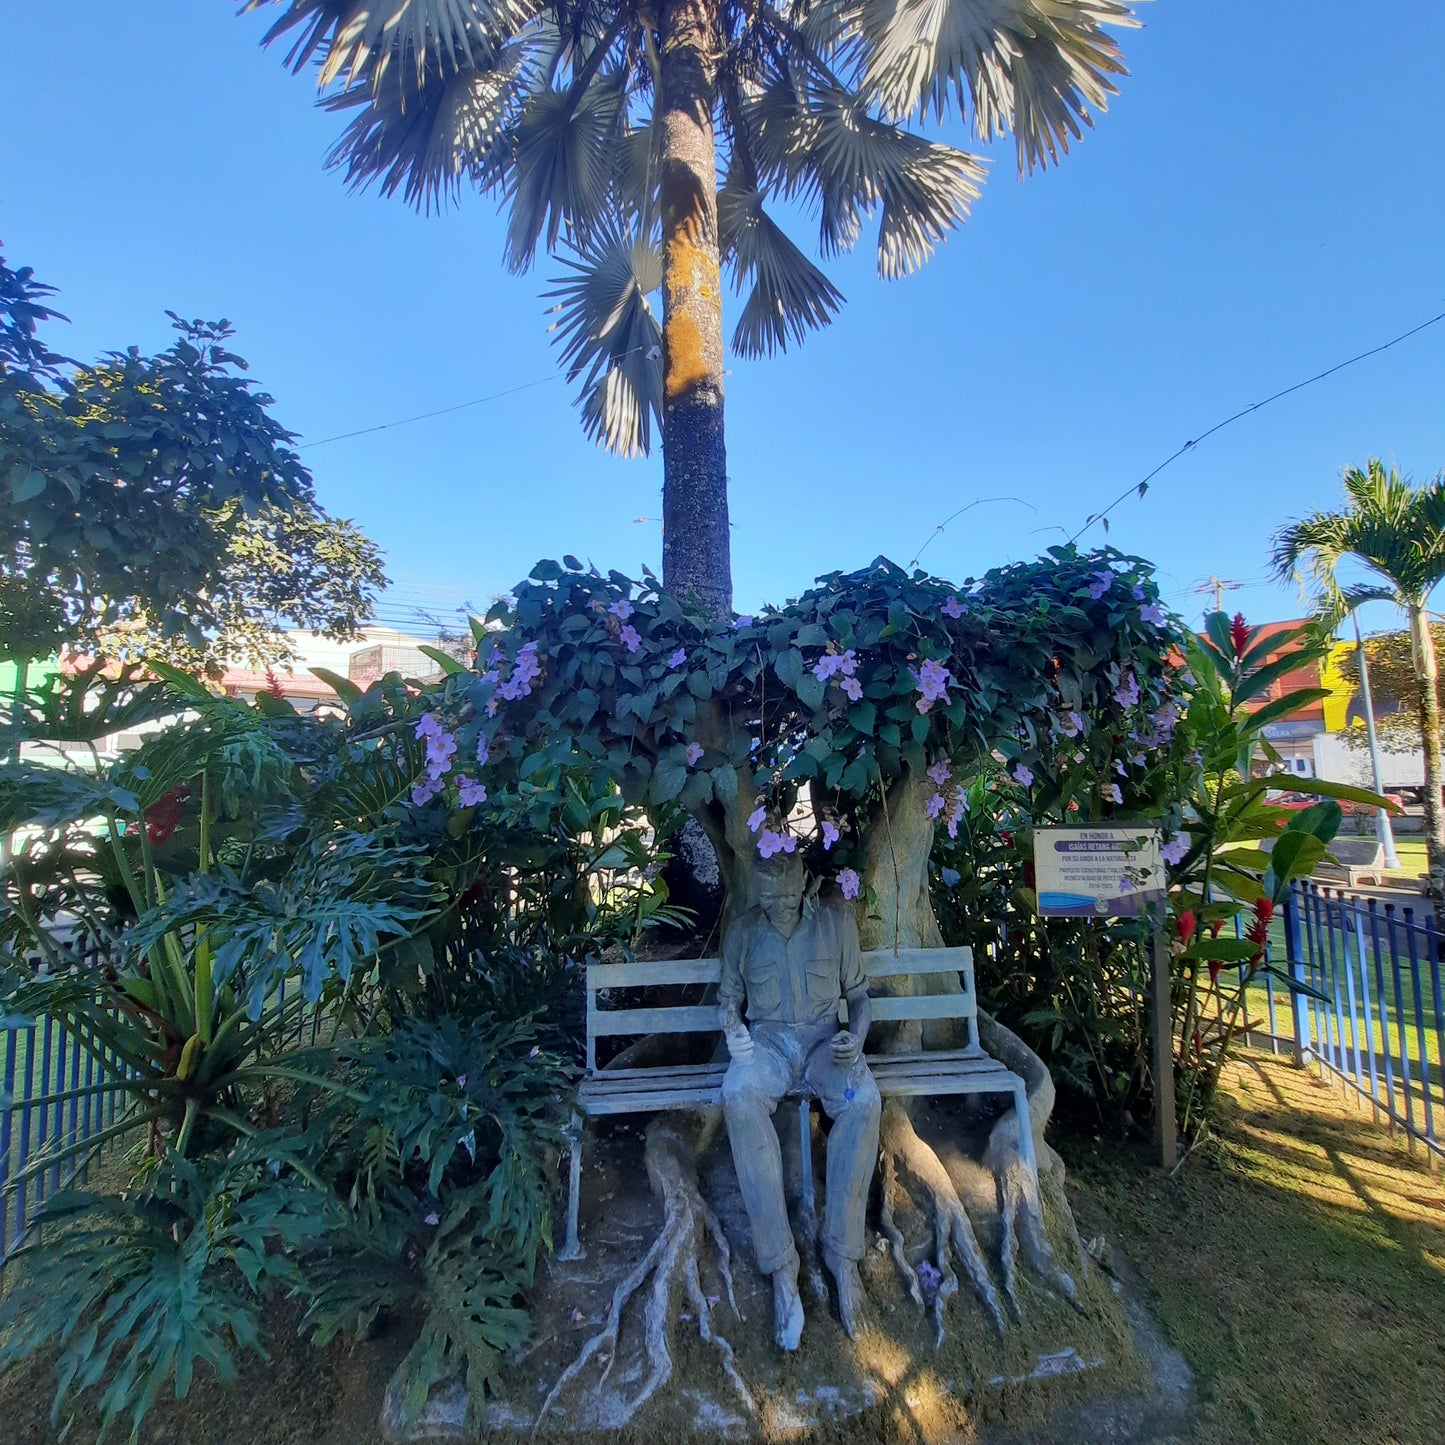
x=702, y=1018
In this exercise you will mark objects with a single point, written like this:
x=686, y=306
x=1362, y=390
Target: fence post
x=1165, y=1124
x=1294, y=954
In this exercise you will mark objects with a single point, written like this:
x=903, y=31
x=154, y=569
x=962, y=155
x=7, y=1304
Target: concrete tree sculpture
x=604, y=127
x=846, y=726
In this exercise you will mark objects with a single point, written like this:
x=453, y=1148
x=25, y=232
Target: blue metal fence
x=47, y=1102
x=1380, y=1026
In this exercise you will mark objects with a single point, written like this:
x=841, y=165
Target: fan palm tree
x=1396, y=531
x=598, y=123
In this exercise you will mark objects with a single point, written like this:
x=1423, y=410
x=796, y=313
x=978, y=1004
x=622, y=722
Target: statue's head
x=780, y=884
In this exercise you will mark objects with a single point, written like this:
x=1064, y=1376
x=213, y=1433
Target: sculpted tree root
x=672, y=1264
x=1018, y=1202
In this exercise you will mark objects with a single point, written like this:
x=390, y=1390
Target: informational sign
x=1106, y=872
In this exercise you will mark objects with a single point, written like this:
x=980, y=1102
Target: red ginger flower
x=1184, y=926
x=1239, y=634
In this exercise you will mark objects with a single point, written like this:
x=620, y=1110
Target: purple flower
x=932, y=679
x=1114, y=794
x=952, y=608
x=757, y=819
x=830, y=834
x=1153, y=614
x=470, y=792
x=1072, y=725
x=428, y=726
x=484, y=751
x=849, y=882
x=461, y=1081
x=1127, y=693
x=831, y=664
x=934, y=805
x=423, y=792
x=433, y=1219
x=770, y=842
x=852, y=689
x=630, y=638
x=1174, y=850
x=678, y=658
x=950, y=877
x=1137, y=592
x=955, y=814
x=1138, y=760
x=1024, y=775
x=741, y=622
x=1119, y=768
x=525, y=670
x=694, y=754
x=940, y=773
x=1100, y=584
x=622, y=609
x=535, y=1052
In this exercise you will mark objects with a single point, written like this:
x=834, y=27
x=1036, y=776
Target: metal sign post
x=1166, y=1131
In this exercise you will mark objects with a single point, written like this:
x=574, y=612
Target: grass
x=1297, y=1261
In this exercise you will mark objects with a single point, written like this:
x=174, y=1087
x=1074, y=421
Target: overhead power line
x=1142, y=486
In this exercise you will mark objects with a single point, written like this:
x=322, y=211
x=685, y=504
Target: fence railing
x=1380, y=1027
x=48, y=1101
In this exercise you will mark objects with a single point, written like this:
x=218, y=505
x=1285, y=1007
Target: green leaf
x=25, y=482
x=668, y=780
x=1322, y=788
x=1296, y=985
x=863, y=716
x=812, y=634
x=810, y=690
x=343, y=687
x=444, y=660
x=1222, y=950
x=1295, y=856
x=789, y=667
x=1321, y=819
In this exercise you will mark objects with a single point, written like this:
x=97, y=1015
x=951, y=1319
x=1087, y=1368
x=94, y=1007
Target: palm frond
x=560, y=172
x=424, y=136
x=856, y=163
x=790, y=295
x=611, y=337
x=1033, y=67
x=1393, y=529
x=355, y=41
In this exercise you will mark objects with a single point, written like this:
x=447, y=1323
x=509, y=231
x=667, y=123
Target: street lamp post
x=1382, y=820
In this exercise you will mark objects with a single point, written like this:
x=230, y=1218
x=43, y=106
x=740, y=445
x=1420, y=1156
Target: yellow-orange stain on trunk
x=693, y=305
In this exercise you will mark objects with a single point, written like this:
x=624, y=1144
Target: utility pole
x=1219, y=586
x=1382, y=820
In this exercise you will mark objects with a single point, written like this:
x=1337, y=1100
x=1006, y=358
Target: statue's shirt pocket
x=764, y=986
x=822, y=975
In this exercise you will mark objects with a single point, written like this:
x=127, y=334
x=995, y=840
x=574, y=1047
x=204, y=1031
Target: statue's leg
x=851, y=1100
x=751, y=1091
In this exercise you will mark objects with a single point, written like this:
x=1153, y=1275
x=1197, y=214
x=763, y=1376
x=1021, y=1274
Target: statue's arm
x=860, y=1013
x=730, y=990
x=854, y=980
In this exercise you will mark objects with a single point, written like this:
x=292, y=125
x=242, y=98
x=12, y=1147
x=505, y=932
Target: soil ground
x=1298, y=1262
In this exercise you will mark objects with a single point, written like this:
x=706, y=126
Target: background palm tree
x=1396, y=531
x=599, y=125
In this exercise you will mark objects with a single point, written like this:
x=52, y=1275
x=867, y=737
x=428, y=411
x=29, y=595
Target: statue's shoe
x=787, y=1310
x=850, y=1293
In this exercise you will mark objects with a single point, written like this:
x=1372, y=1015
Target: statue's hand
x=740, y=1041
x=846, y=1047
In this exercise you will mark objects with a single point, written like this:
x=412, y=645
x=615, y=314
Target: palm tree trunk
x=695, y=533
x=1427, y=671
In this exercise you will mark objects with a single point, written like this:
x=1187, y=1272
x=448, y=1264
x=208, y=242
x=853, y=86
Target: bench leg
x=1026, y=1131
x=805, y=1158
x=572, y=1249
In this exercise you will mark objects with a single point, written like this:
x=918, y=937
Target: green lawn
x=1298, y=1262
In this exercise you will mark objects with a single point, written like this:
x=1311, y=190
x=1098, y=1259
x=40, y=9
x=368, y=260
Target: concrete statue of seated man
x=791, y=960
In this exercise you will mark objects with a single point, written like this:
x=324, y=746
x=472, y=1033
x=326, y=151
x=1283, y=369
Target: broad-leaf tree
x=1395, y=531
x=650, y=144
x=152, y=505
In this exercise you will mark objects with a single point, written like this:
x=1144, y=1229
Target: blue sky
x=1264, y=199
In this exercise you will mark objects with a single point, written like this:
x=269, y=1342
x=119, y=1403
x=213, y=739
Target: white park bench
x=968, y=1070
x=1356, y=859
